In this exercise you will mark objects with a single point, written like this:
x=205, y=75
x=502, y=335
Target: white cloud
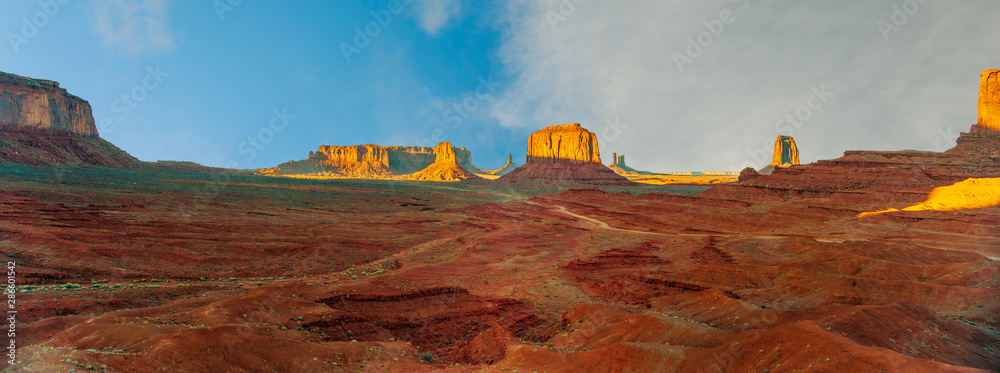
x=133, y=26
x=432, y=15
x=596, y=60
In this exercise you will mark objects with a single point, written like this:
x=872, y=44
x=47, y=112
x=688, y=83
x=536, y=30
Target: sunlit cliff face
x=563, y=142
x=968, y=194
x=989, y=99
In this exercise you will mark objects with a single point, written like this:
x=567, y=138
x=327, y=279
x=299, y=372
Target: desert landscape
x=371, y=258
x=366, y=252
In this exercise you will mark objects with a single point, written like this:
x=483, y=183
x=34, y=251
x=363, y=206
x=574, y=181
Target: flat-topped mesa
x=37, y=103
x=567, y=142
x=989, y=99
x=563, y=156
x=369, y=161
x=786, y=153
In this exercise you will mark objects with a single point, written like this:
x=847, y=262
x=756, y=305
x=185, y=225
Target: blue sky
x=674, y=85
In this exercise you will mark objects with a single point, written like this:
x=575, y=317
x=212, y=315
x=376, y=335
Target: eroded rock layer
x=563, y=142
x=786, y=153
x=43, y=125
x=444, y=168
x=369, y=161
x=887, y=178
x=563, y=155
x=36, y=103
x=989, y=99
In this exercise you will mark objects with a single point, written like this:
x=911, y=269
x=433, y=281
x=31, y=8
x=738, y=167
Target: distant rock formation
x=619, y=167
x=875, y=180
x=563, y=142
x=444, y=168
x=43, y=125
x=559, y=156
x=747, y=174
x=368, y=161
x=36, y=103
x=510, y=166
x=989, y=99
x=786, y=154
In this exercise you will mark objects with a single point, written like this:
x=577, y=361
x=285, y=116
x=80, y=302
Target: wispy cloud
x=756, y=62
x=432, y=15
x=133, y=26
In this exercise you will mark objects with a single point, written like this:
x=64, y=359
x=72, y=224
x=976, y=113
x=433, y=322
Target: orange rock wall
x=989, y=99
x=564, y=142
x=785, y=152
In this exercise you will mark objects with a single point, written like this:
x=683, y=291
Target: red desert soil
x=150, y=270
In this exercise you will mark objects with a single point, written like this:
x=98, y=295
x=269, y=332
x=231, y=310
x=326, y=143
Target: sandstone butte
x=786, y=153
x=510, y=166
x=619, y=167
x=564, y=154
x=444, y=168
x=989, y=99
x=877, y=180
x=43, y=125
x=563, y=142
x=368, y=161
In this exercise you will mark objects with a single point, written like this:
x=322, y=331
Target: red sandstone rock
x=747, y=174
x=368, y=161
x=563, y=155
x=36, y=103
x=619, y=167
x=444, y=168
x=43, y=125
x=563, y=142
x=989, y=99
x=785, y=152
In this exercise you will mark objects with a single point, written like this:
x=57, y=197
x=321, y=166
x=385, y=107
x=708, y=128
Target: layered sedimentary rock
x=444, y=168
x=989, y=99
x=969, y=194
x=876, y=180
x=43, y=125
x=510, y=166
x=619, y=167
x=369, y=161
x=41, y=104
x=562, y=155
x=785, y=152
x=563, y=142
